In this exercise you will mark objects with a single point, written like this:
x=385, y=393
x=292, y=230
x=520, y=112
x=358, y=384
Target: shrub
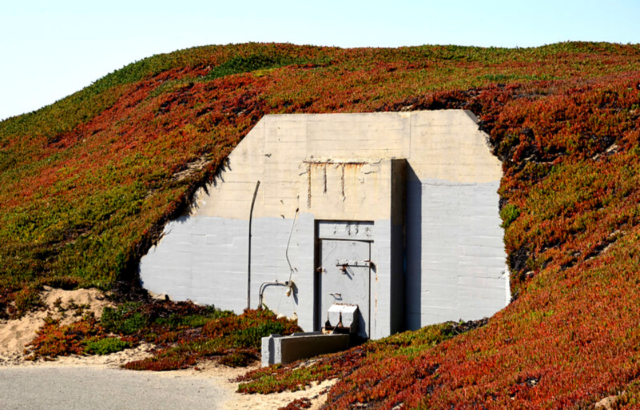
x=54, y=340
x=253, y=62
x=509, y=214
x=25, y=300
x=238, y=359
x=161, y=364
x=105, y=346
x=235, y=340
x=298, y=375
x=252, y=336
x=123, y=320
x=298, y=404
x=182, y=332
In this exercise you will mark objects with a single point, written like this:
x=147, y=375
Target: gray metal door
x=346, y=278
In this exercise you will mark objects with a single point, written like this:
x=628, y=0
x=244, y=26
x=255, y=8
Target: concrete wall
x=205, y=260
x=455, y=261
x=455, y=255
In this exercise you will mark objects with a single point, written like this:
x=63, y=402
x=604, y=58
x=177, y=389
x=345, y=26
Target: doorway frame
x=318, y=322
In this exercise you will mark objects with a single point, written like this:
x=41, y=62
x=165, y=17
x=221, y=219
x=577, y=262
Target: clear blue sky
x=50, y=49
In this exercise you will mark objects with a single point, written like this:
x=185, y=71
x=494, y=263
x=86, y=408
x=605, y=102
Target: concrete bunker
x=396, y=213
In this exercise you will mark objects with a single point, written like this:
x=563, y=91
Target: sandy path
x=96, y=388
x=93, y=382
x=97, y=383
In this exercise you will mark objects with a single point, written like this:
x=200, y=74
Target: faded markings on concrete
x=444, y=145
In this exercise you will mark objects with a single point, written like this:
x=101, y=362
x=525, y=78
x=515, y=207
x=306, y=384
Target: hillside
x=87, y=183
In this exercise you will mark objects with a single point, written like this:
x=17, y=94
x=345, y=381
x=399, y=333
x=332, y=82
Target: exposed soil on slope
x=15, y=334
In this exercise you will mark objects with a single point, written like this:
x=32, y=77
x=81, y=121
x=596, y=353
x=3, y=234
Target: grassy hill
x=87, y=183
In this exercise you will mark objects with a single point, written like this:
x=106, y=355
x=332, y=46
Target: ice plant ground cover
x=182, y=333
x=87, y=183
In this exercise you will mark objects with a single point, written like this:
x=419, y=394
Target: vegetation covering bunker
x=395, y=212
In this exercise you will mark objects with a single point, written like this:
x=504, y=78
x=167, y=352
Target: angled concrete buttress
x=397, y=213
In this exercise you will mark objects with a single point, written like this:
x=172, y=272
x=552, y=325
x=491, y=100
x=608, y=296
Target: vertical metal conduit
x=253, y=201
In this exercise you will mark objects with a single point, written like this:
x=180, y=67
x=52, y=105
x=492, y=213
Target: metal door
x=345, y=277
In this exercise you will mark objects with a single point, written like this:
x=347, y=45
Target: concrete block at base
x=288, y=349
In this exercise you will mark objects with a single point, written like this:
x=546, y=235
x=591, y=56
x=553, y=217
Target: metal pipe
x=288, y=283
x=288, y=242
x=264, y=286
x=255, y=193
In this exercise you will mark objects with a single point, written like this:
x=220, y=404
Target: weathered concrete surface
x=70, y=388
x=455, y=254
x=288, y=349
x=455, y=261
x=205, y=260
x=347, y=190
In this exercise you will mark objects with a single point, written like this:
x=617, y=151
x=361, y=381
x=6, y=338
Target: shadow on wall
x=218, y=177
x=413, y=261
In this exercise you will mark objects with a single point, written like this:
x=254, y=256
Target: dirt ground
x=15, y=334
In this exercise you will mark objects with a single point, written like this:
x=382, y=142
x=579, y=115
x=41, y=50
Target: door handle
x=345, y=263
x=336, y=295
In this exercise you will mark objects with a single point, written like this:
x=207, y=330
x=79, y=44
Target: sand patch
x=317, y=393
x=15, y=334
x=111, y=361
